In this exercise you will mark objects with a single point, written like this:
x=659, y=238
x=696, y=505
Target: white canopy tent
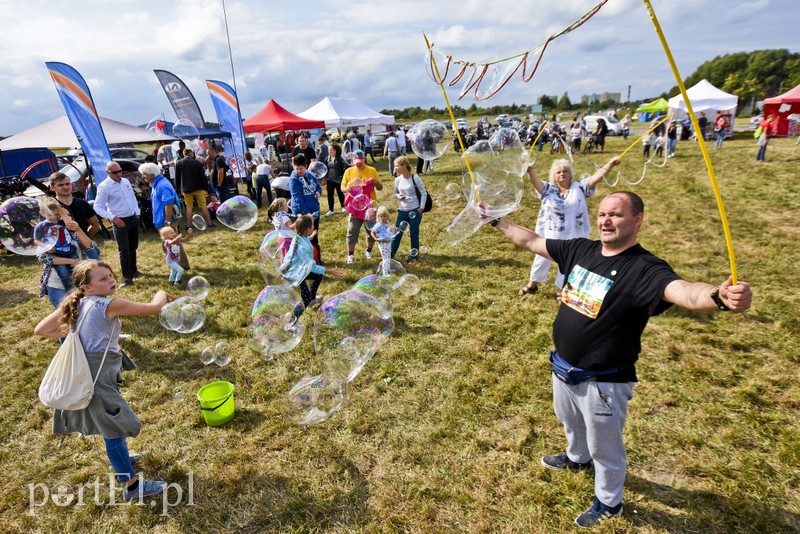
x=58, y=133
x=344, y=113
x=706, y=98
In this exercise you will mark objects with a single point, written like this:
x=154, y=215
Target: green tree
x=548, y=102
x=564, y=102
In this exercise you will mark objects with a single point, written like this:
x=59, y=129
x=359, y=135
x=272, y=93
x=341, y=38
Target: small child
x=279, y=215
x=660, y=143
x=301, y=251
x=172, y=248
x=647, y=141
x=70, y=238
x=213, y=205
x=381, y=233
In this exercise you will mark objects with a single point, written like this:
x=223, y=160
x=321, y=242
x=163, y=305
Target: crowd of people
x=607, y=288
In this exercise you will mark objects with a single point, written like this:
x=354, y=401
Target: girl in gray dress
x=107, y=414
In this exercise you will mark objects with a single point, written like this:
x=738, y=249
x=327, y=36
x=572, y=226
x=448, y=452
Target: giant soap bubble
x=351, y=314
x=272, y=261
x=165, y=156
x=428, y=139
x=238, y=213
x=27, y=227
x=378, y=287
x=271, y=313
x=391, y=271
x=408, y=285
x=314, y=399
x=183, y=315
x=495, y=195
x=185, y=130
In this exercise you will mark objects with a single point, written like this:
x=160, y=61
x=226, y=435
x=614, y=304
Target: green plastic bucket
x=216, y=402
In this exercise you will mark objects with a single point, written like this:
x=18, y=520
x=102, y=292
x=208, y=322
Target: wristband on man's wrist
x=718, y=300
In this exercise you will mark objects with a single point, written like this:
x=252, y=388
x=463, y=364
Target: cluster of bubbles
x=238, y=213
x=493, y=187
x=349, y=329
x=27, y=227
x=428, y=139
x=183, y=315
x=270, y=320
x=219, y=353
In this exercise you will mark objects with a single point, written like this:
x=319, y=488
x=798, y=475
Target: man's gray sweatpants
x=593, y=414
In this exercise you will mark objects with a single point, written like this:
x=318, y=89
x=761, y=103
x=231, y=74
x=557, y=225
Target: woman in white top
x=410, y=191
x=563, y=214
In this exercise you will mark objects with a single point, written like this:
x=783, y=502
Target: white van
x=614, y=126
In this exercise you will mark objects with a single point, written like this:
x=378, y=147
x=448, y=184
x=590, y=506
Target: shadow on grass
x=274, y=502
x=12, y=297
x=698, y=508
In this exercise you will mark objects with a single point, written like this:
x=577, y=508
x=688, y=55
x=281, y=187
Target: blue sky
x=372, y=50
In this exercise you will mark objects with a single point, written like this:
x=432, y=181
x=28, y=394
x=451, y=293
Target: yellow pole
x=700, y=140
x=541, y=131
x=659, y=123
x=452, y=116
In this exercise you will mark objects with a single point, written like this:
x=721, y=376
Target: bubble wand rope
x=541, y=131
x=659, y=123
x=720, y=205
x=452, y=116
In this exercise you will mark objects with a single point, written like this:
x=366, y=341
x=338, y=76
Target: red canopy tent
x=275, y=118
x=782, y=106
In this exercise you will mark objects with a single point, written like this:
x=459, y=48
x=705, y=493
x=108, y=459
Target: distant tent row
x=327, y=113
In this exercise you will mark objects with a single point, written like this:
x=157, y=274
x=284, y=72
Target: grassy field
x=446, y=425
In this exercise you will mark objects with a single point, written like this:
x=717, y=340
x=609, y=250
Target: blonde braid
x=69, y=308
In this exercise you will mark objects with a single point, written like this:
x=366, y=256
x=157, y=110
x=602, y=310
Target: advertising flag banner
x=82, y=115
x=230, y=120
x=181, y=98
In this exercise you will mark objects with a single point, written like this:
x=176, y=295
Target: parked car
x=502, y=119
x=133, y=154
x=378, y=141
x=76, y=171
x=462, y=123
x=614, y=126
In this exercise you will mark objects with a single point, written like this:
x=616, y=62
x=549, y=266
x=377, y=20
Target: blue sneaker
x=146, y=488
x=562, y=461
x=597, y=513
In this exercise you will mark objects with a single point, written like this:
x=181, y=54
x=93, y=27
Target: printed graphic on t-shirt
x=584, y=291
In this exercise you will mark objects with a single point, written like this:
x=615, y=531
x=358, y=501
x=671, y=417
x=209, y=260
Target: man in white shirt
x=116, y=202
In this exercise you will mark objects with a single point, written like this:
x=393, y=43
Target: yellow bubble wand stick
x=700, y=140
x=440, y=81
x=541, y=131
x=659, y=123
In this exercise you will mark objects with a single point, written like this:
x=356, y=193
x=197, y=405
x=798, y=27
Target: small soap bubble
x=198, y=222
x=238, y=213
x=452, y=191
x=318, y=169
x=198, y=287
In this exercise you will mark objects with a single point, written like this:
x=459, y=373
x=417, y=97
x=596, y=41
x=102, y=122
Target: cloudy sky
x=297, y=53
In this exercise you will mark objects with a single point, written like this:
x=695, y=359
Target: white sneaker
x=368, y=254
x=329, y=214
x=351, y=259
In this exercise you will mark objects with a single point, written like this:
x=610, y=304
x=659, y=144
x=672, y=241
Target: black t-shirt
x=81, y=211
x=220, y=163
x=308, y=152
x=605, y=304
x=190, y=175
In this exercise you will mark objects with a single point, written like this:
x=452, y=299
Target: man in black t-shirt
x=219, y=174
x=190, y=179
x=81, y=211
x=613, y=287
x=305, y=149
